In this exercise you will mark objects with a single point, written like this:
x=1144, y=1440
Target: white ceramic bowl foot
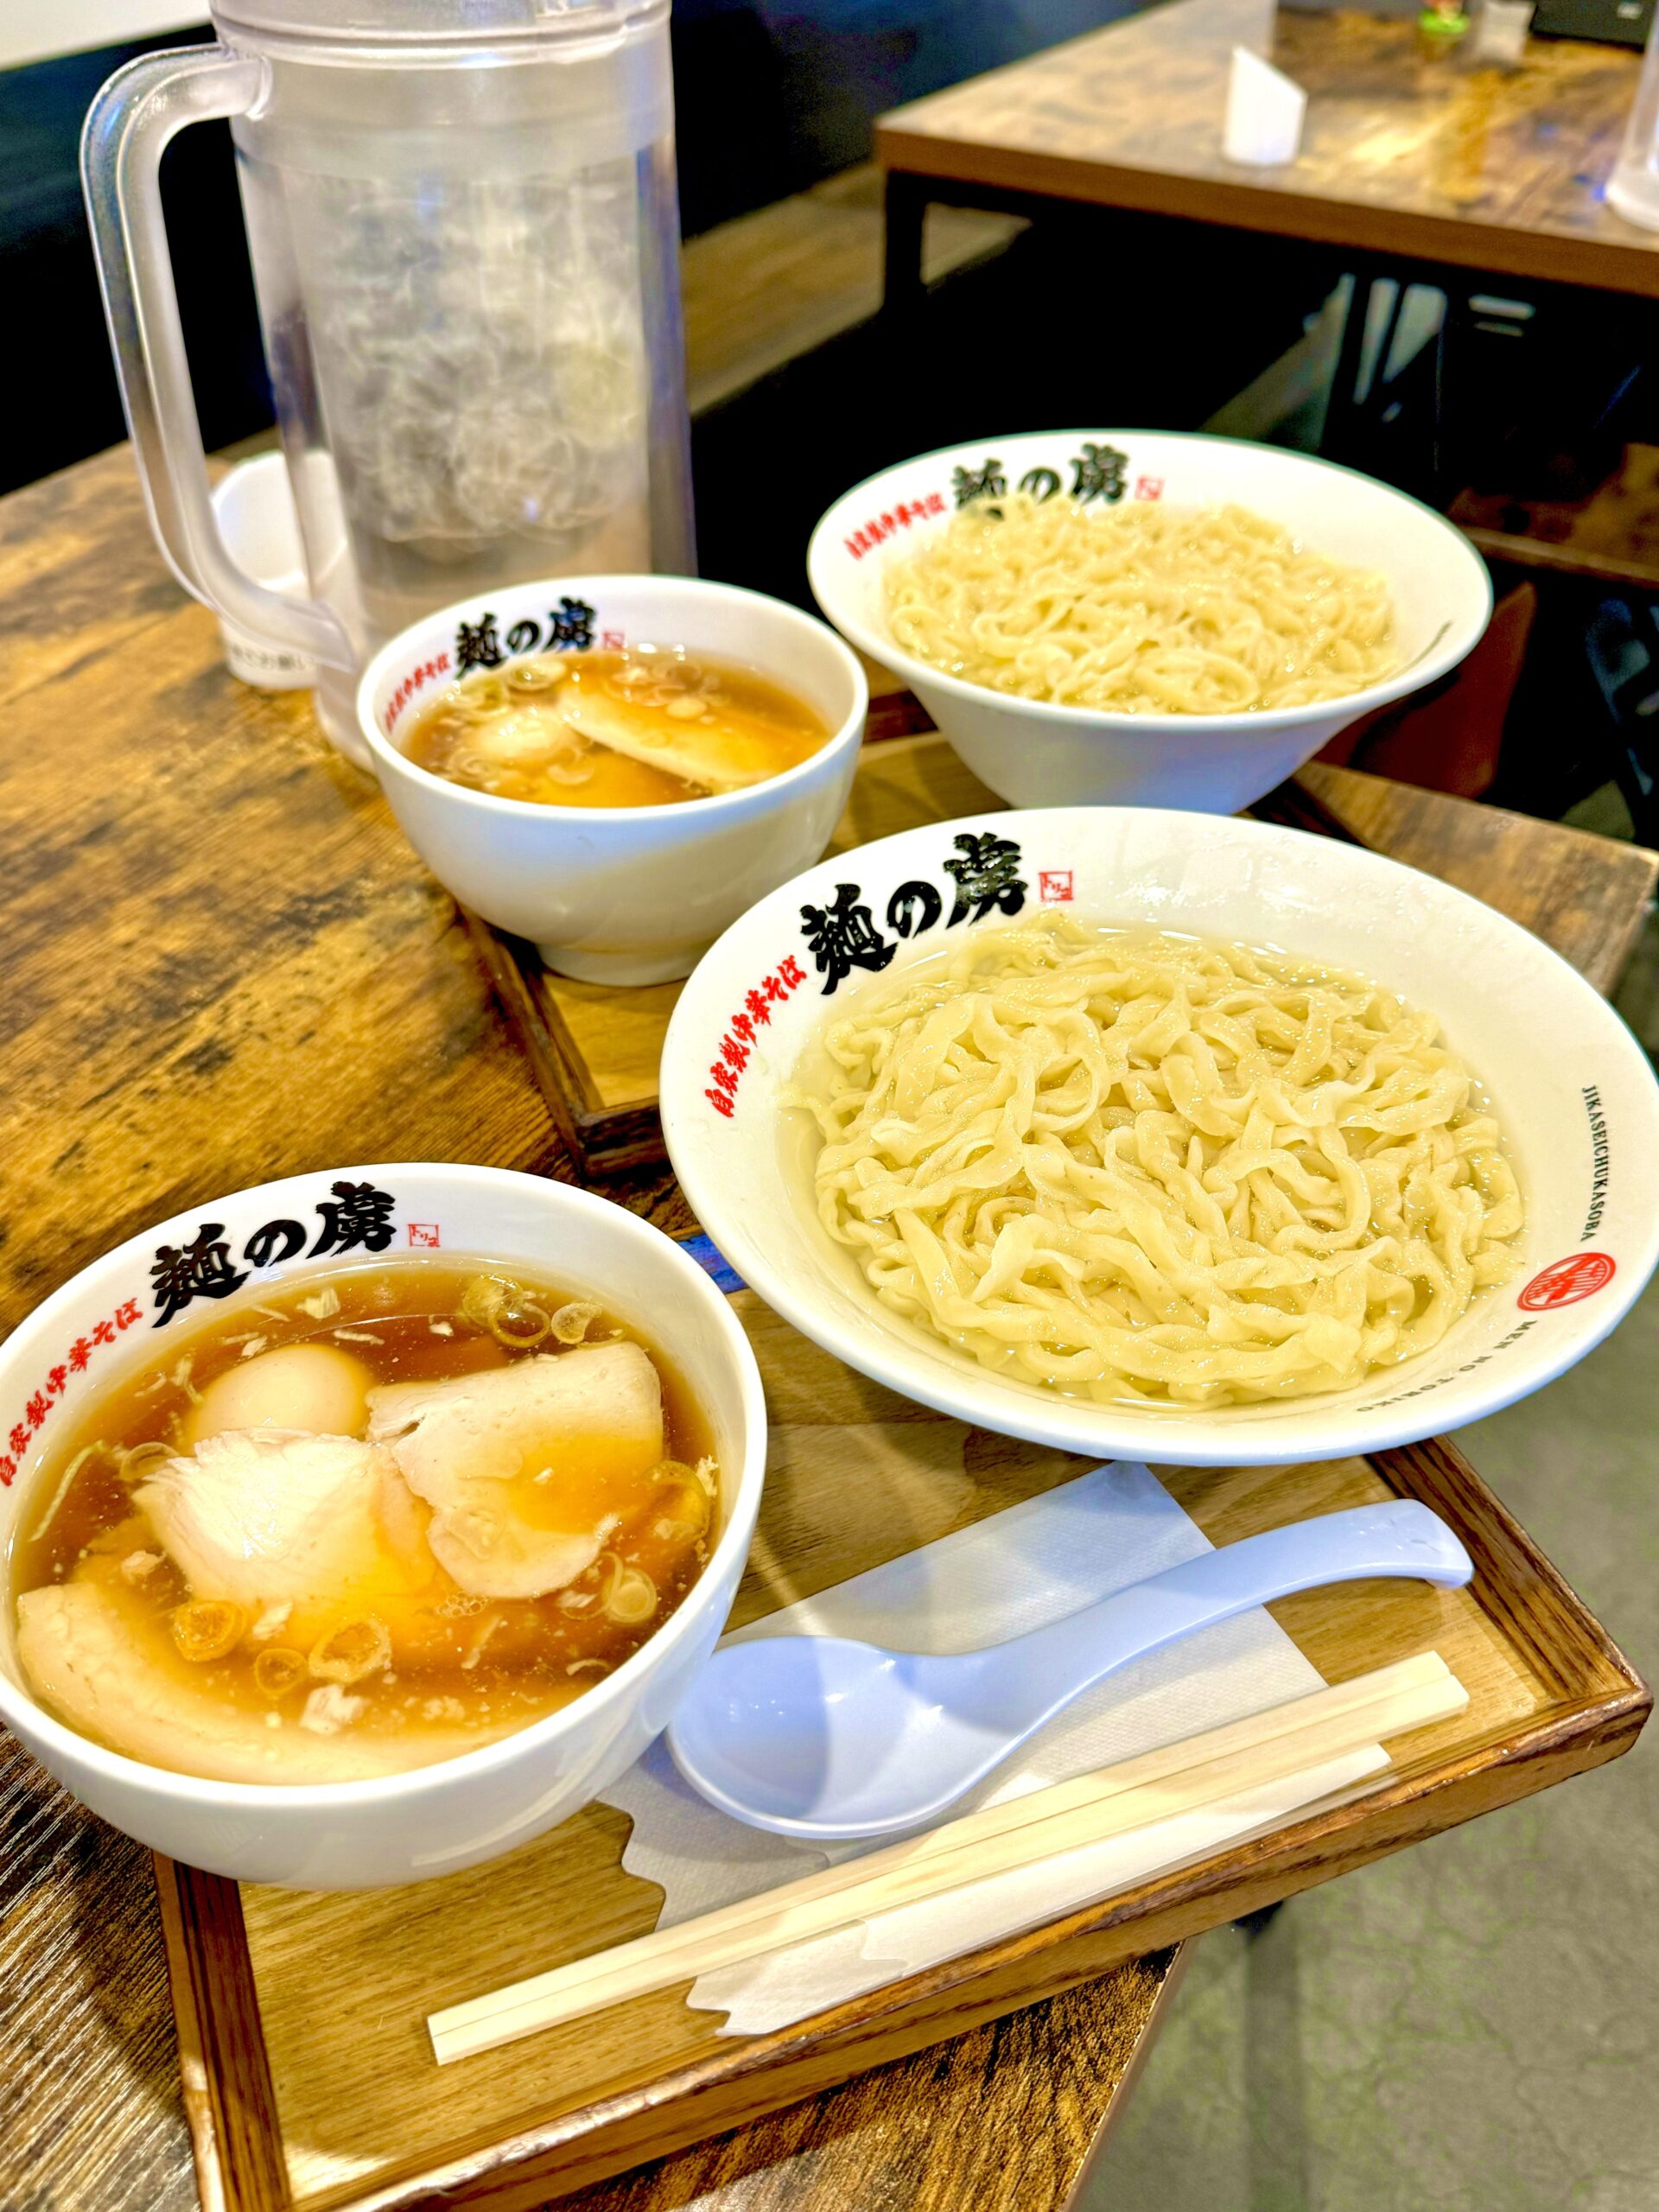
x=624, y=968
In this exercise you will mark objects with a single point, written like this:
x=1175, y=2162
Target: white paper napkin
x=1265, y=113
x=1016, y=1571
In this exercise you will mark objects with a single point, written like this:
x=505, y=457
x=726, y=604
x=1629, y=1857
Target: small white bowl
x=1571, y=1090
x=253, y=505
x=404, y=1828
x=1037, y=755
x=617, y=894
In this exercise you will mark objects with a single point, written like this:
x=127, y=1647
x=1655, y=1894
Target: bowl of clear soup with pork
x=362, y=1526
x=615, y=767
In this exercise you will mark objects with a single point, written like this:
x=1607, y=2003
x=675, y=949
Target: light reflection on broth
x=648, y=727
x=371, y=1521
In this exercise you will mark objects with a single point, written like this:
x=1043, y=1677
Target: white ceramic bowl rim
x=711, y=809
x=201, y=1790
x=1442, y=654
x=735, y=1187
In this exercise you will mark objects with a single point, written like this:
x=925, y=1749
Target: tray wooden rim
x=1599, y=1705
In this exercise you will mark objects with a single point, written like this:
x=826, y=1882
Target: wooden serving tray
x=309, y=2079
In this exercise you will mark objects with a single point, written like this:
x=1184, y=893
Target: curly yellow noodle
x=1129, y=1165
x=1139, y=609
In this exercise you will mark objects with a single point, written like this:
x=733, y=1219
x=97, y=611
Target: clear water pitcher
x=465, y=240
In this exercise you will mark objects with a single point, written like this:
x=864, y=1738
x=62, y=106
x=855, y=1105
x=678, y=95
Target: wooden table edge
x=1162, y=2006
x=1393, y=234
x=1562, y=558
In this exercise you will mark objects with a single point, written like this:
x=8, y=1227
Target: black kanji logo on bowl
x=987, y=875
x=1098, y=473
x=200, y=1268
x=843, y=936
x=355, y=1217
x=985, y=878
x=987, y=481
x=477, y=645
x=569, y=629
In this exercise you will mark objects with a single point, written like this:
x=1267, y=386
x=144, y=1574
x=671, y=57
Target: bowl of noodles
x=1144, y=618
x=1152, y=1135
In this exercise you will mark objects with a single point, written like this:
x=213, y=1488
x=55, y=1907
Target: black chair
x=1622, y=643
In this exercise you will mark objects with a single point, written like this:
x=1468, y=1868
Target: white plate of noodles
x=1143, y=1133
x=1143, y=619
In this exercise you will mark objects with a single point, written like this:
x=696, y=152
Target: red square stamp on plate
x=1054, y=885
x=424, y=1235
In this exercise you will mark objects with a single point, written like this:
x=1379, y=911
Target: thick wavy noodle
x=1131, y=1166
x=1140, y=609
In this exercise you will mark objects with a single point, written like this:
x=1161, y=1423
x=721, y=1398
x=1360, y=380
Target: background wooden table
x=223, y=964
x=1404, y=154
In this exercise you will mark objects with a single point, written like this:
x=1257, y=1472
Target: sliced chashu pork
x=260, y=1516
x=708, y=751
x=528, y=1468
x=97, y=1657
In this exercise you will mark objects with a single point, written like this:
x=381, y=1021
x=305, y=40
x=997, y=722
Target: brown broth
x=488, y=1664
x=696, y=725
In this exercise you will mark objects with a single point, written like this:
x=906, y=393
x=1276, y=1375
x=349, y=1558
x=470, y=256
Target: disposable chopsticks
x=1203, y=1770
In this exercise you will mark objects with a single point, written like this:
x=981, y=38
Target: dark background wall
x=60, y=390
x=770, y=98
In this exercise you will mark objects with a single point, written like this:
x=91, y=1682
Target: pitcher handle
x=128, y=127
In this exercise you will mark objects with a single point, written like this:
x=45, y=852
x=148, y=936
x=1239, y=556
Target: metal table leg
x=903, y=288
x=1342, y=415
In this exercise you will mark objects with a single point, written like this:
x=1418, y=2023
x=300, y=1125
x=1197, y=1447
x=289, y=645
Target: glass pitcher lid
x=430, y=26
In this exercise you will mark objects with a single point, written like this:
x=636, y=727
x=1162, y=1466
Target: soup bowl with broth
x=362, y=1526
x=616, y=767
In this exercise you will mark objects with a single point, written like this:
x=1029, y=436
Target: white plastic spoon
x=821, y=1736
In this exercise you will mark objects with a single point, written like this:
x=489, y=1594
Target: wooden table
x=223, y=964
x=1413, y=164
